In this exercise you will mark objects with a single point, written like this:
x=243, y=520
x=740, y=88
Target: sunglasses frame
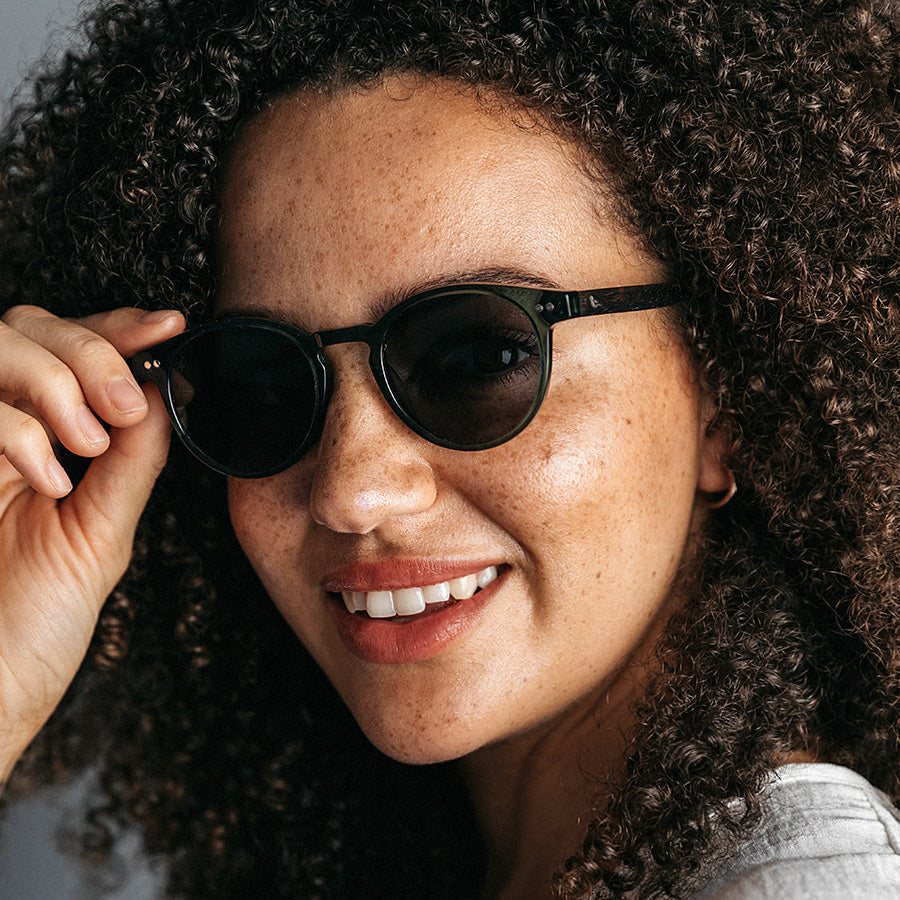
x=544, y=308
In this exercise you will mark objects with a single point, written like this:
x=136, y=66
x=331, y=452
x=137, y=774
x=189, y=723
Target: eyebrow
x=505, y=275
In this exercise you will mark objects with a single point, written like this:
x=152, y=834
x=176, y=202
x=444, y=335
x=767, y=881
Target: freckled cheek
x=272, y=534
x=266, y=525
x=542, y=489
x=592, y=477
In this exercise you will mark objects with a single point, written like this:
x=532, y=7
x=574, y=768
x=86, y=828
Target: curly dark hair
x=754, y=145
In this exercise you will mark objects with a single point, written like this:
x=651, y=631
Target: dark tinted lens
x=466, y=367
x=245, y=396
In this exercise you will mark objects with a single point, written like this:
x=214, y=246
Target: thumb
x=111, y=497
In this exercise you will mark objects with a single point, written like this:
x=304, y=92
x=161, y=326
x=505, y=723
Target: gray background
x=27, y=27
x=33, y=865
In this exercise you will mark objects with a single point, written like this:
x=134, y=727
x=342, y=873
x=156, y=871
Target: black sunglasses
x=466, y=367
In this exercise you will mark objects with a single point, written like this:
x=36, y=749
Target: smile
x=414, y=600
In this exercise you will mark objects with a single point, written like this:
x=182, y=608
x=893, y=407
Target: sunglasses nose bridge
x=369, y=335
x=353, y=334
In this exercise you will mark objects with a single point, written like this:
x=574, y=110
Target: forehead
x=400, y=182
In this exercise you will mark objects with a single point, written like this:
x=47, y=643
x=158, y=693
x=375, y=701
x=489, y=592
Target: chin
x=420, y=746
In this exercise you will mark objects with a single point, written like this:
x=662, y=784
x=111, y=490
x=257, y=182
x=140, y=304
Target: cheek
x=274, y=534
x=268, y=527
x=591, y=481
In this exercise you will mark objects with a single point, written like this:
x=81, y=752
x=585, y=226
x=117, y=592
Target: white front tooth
x=437, y=593
x=380, y=604
x=409, y=601
x=463, y=588
x=486, y=576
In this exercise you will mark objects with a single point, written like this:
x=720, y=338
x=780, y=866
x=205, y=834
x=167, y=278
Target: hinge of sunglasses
x=146, y=367
x=563, y=306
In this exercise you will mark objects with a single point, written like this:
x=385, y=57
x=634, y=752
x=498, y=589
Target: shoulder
x=826, y=834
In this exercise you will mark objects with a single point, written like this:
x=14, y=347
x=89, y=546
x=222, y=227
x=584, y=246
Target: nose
x=368, y=467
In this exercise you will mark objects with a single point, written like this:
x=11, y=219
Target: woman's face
x=334, y=208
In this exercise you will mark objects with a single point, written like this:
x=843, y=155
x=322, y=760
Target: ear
x=715, y=480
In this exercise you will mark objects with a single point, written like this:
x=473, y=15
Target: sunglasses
x=466, y=367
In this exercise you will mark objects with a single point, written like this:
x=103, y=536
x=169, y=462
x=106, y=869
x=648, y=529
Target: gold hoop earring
x=717, y=501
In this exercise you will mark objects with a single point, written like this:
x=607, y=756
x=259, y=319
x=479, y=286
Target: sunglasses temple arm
x=146, y=367
x=576, y=304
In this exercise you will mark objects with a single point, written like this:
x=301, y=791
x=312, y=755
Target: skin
x=334, y=205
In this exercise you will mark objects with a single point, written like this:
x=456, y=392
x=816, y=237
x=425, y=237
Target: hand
x=61, y=550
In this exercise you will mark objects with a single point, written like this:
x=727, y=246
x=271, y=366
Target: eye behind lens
x=465, y=369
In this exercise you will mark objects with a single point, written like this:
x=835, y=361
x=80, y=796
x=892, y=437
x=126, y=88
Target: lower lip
x=398, y=641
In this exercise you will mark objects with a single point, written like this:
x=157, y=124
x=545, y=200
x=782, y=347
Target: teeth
x=463, y=588
x=437, y=593
x=411, y=601
x=486, y=576
x=355, y=601
x=380, y=604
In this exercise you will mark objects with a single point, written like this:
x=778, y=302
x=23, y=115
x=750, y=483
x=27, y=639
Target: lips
x=401, y=611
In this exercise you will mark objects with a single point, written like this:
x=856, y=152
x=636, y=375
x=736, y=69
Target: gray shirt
x=826, y=834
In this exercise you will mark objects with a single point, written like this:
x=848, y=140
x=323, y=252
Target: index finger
x=129, y=329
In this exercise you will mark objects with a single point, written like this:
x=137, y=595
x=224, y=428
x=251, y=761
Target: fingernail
x=157, y=316
x=124, y=396
x=58, y=477
x=91, y=428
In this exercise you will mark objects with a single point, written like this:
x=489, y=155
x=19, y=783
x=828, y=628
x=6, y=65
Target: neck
x=535, y=793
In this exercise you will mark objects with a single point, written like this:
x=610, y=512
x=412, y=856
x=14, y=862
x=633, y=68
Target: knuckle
x=19, y=315
x=58, y=383
x=30, y=435
x=91, y=349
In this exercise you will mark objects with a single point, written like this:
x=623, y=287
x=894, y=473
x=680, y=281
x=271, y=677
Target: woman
x=636, y=626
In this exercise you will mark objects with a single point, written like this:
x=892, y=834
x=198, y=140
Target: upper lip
x=396, y=573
